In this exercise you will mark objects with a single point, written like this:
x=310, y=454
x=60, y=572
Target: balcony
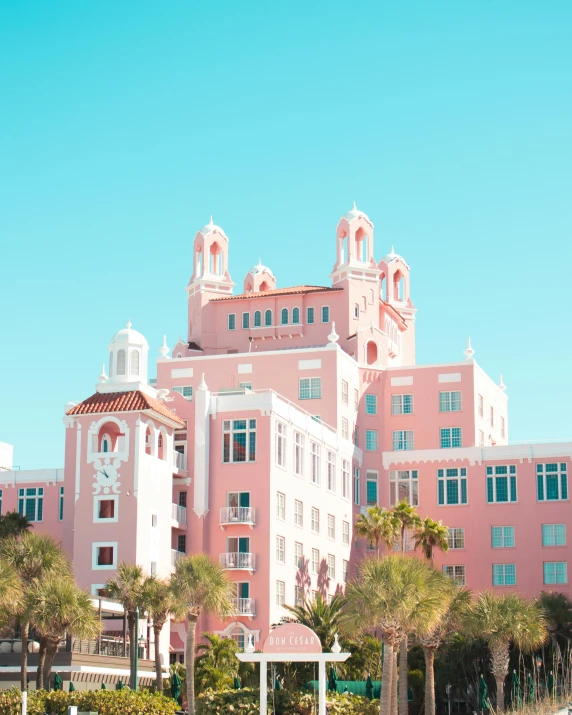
x=176, y=556
x=237, y=515
x=179, y=513
x=179, y=461
x=243, y=607
x=236, y=561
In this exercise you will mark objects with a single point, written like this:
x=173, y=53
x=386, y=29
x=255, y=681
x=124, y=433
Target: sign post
x=292, y=643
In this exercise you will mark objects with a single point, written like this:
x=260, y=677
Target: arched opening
x=148, y=440
x=160, y=446
x=382, y=292
x=296, y=316
x=356, y=310
x=199, y=261
x=371, y=353
x=263, y=287
x=343, y=248
x=268, y=318
x=215, y=259
x=110, y=363
x=121, y=362
x=108, y=437
x=248, y=288
x=284, y=316
x=257, y=318
x=361, y=245
x=398, y=286
x=364, y=303
x=135, y=362
x=238, y=635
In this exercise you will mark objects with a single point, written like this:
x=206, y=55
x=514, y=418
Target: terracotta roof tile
x=133, y=401
x=294, y=290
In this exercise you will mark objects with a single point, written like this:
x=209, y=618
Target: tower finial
x=355, y=207
x=502, y=386
x=128, y=326
x=469, y=352
x=211, y=222
x=103, y=377
x=333, y=337
x=164, y=350
x=392, y=248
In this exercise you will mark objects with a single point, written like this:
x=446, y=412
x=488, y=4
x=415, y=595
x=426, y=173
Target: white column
x=263, y=688
x=201, y=467
x=322, y=687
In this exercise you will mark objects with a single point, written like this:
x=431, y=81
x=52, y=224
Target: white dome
x=129, y=336
x=257, y=270
x=210, y=227
x=392, y=256
x=128, y=351
x=356, y=213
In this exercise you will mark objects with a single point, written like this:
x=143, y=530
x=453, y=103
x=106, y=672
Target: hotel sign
x=292, y=638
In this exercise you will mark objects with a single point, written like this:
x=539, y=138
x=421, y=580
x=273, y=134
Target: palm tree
x=10, y=588
x=127, y=588
x=158, y=601
x=378, y=526
x=502, y=621
x=430, y=535
x=395, y=595
x=321, y=616
x=557, y=609
x=57, y=607
x=12, y=523
x=216, y=663
x=32, y=556
x=199, y=585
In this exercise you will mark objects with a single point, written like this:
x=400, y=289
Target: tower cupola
x=259, y=279
x=128, y=352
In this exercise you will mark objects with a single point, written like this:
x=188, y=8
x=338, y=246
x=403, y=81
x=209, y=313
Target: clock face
x=106, y=478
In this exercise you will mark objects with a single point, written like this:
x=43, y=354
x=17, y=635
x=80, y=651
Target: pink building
x=284, y=413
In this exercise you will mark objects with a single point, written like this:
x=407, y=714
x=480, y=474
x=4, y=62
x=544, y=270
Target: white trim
x=95, y=587
x=103, y=544
x=182, y=372
x=401, y=381
x=449, y=377
x=244, y=368
x=309, y=364
x=106, y=497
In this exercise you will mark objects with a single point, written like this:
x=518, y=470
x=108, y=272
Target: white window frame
x=315, y=561
x=345, y=428
x=450, y=401
x=106, y=497
x=99, y=545
x=315, y=520
x=280, y=593
x=345, y=392
x=357, y=485
x=480, y=405
x=298, y=513
x=408, y=478
x=503, y=537
x=371, y=443
x=245, y=319
x=280, y=550
x=185, y=390
x=280, y=506
x=370, y=399
x=398, y=406
x=403, y=437
x=373, y=477
x=554, y=582
x=455, y=573
x=345, y=479
x=248, y=430
x=346, y=533
x=308, y=321
x=323, y=308
x=450, y=438
x=331, y=566
x=551, y=528
x=331, y=471
x=280, y=444
x=298, y=465
x=229, y=316
x=331, y=527
x=455, y=536
x=310, y=388
x=315, y=463
x=298, y=555
x=499, y=578
x=345, y=570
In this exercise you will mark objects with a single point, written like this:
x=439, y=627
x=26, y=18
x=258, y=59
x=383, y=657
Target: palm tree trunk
x=41, y=661
x=24, y=627
x=499, y=667
x=190, y=664
x=429, y=680
x=394, y=681
x=132, y=645
x=403, y=701
x=157, y=628
x=51, y=650
x=387, y=680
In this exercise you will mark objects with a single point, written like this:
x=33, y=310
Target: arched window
x=356, y=310
x=110, y=363
x=237, y=635
x=284, y=316
x=199, y=268
x=135, y=362
x=268, y=317
x=296, y=316
x=371, y=354
x=121, y=362
x=257, y=318
x=263, y=287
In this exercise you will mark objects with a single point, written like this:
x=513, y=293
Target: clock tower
x=119, y=469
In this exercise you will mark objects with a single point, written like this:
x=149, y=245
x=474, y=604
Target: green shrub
x=104, y=702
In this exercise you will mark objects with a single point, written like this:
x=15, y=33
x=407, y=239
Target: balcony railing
x=179, y=513
x=179, y=460
x=236, y=560
x=176, y=555
x=237, y=515
x=244, y=606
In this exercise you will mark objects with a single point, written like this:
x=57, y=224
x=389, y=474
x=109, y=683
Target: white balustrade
x=179, y=460
x=237, y=515
x=238, y=560
x=244, y=606
x=176, y=555
x=179, y=513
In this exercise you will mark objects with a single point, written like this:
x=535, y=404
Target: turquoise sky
x=124, y=125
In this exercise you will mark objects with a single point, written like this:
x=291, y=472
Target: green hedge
x=247, y=702
x=104, y=702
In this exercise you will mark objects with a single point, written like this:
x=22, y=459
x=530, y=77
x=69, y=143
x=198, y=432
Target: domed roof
x=392, y=256
x=257, y=270
x=129, y=336
x=356, y=213
x=210, y=227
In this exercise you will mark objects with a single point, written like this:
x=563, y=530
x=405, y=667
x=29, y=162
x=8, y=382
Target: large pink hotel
x=285, y=413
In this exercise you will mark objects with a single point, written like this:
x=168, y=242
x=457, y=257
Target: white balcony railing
x=176, y=555
x=179, y=513
x=236, y=560
x=237, y=515
x=179, y=460
x=244, y=606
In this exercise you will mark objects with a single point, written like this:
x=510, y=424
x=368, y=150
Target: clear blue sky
x=124, y=125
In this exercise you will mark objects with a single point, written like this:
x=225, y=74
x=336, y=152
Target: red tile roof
x=294, y=290
x=134, y=401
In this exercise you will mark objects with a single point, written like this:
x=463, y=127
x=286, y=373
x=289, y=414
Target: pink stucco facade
x=286, y=412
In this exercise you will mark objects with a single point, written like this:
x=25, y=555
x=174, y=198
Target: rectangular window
x=315, y=560
x=481, y=438
x=236, y=501
x=451, y=437
x=370, y=404
x=239, y=441
x=371, y=489
x=504, y=575
x=183, y=499
x=31, y=503
x=554, y=535
x=104, y=555
x=371, y=440
x=356, y=435
x=182, y=543
x=555, y=572
x=280, y=557
x=492, y=416
x=298, y=596
x=331, y=566
x=105, y=509
x=551, y=482
x=315, y=520
x=298, y=454
x=356, y=486
x=402, y=439
x=456, y=538
x=502, y=427
x=280, y=444
x=331, y=526
x=231, y=321
x=331, y=464
x=245, y=385
x=346, y=532
x=246, y=321
x=456, y=574
x=502, y=537
x=280, y=505
x=501, y=484
x=345, y=570
x=481, y=405
x=345, y=429
x=61, y=504
x=280, y=593
x=298, y=555
x=298, y=513
x=356, y=400
x=310, y=388
x=325, y=314
x=345, y=479
x=315, y=455
x=450, y=401
x=401, y=404
x=452, y=486
x=345, y=392
x=310, y=316
x=404, y=484
x=154, y=520
x=186, y=391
